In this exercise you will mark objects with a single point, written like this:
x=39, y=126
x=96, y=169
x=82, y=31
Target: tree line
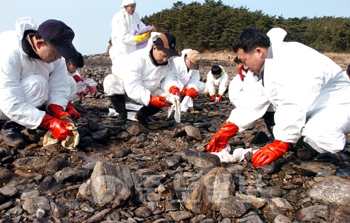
x=214, y=26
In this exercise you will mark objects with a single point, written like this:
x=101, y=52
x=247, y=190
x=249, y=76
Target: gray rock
x=201, y=159
x=193, y=132
x=233, y=207
x=315, y=213
x=72, y=174
x=31, y=205
x=180, y=215
x=315, y=169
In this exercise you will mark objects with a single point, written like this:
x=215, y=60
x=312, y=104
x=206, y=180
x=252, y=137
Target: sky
x=91, y=19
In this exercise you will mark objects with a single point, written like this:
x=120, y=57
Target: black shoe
x=122, y=117
x=118, y=102
x=143, y=115
x=11, y=134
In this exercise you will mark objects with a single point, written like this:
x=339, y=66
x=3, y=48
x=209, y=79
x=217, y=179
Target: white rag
x=70, y=142
x=237, y=156
x=186, y=103
x=176, y=107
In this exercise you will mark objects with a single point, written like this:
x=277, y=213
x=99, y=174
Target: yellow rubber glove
x=142, y=37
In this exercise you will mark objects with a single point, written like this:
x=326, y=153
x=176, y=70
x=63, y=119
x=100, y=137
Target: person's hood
x=23, y=24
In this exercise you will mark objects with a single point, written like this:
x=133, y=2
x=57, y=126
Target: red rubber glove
x=57, y=111
x=220, y=97
x=212, y=98
x=71, y=110
x=269, y=153
x=221, y=137
x=77, y=78
x=58, y=127
x=158, y=101
x=183, y=91
x=192, y=93
x=174, y=90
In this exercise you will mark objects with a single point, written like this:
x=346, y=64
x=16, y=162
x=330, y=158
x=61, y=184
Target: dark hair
x=77, y=61
x=237, y=60
x=250, y=38
x=216, y=69
x=348, y=70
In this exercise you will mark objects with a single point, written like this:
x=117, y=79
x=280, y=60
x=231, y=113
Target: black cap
x=60, y=36
x=167, y=43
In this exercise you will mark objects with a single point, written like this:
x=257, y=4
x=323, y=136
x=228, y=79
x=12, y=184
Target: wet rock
x=97, y=217
x=72, y=174
x=193, y=132
x=8, y=191
x=117, y=181
x=180, y=215
x=250, y=217
x=32, y=205
x=30, y=163
x=208, y=193
x=282, y=219
x=56, y=163
x=252, y=200
x=102, y=136
x=172, y=162
x=335, y=190
x=201, y=159
x=233, y=207
x=315, y=169
x=315, y=213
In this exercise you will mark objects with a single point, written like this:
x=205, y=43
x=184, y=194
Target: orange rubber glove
x=220, y=97
x=174, y=90
x=73, y=113
x=57, y=111
x=158, y=101
x=77, y=78
x=183, y=91
x=221, y=137
x=192, y=93
x=212, y=98
x=58, y=127
x=269, y=153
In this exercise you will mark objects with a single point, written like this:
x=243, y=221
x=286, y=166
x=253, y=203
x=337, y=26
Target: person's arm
x=210, y=84
x=13, y=100
x=59, y=92
x=223, y=84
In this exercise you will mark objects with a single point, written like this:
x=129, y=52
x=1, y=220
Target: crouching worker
x=217, y=83
x=33, y=75
x=187, y=67
x=311, y=102
x=146, y=78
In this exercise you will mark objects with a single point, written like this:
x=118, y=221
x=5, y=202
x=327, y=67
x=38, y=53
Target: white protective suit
x=139, y=77
x=236, y=88
x=212, y=84
x=27, y=83
x=188, y=78
x=124, y=26
x=311, y=99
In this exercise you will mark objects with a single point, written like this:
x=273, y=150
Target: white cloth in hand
x=176, y=107
x=186, y=103
x=237, y=156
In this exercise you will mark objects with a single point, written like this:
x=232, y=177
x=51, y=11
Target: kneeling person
x=146, y=78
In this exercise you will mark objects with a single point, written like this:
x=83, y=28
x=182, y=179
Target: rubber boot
x=143, y=115
x=118, y=102
x=11, y=134
x=269, y=118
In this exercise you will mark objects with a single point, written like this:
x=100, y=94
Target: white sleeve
x=120, y=31
x=59, y=92
x=223, y=84
x=210, y=84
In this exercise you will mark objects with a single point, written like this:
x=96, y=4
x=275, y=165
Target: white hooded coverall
x=220, y=83
x=27, y=83
x=188, y=78
x=139, y=77
x=124, y=26
x=311, y=99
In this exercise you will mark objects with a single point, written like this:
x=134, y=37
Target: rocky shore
x=161, y=173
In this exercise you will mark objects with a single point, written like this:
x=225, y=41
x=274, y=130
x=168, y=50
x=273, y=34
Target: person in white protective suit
x=82, y=86
x=243, y=84
x=217, y=83
x=32, y=74
x=311, y=100
x=187, y=67
x=146, y=77
x=126, y=25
